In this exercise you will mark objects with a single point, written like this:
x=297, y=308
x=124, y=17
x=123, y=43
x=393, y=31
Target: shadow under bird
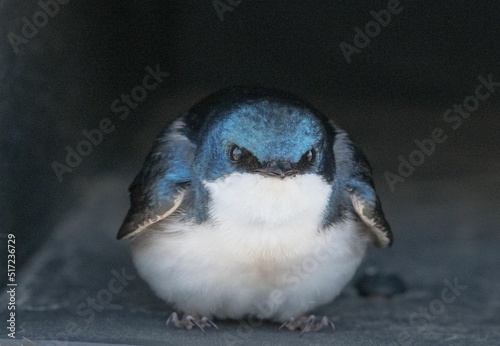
x=239, y=192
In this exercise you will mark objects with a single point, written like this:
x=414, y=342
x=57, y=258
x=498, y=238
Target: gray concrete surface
x=446, y=231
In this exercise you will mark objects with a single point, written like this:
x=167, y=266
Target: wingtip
x=391, y=238
x=121, y=233
x=125, y=231
x=387, y=242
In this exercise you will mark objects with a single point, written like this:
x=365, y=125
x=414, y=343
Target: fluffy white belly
x=262, y=256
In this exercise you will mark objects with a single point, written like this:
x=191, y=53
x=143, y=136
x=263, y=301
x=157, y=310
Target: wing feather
x=160, y=188
x=353, y=169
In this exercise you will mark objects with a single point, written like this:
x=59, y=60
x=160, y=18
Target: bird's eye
x=311, y=155
x=235, y=153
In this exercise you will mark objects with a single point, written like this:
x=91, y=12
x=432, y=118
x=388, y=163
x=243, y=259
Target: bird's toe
x=189, y=321
x=306, y=324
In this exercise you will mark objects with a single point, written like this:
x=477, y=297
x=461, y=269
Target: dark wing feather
x=353, y=168
x=160, y=187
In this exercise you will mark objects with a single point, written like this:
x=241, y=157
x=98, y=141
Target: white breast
x=261, y=252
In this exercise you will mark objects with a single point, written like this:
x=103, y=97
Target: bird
x=252, y=203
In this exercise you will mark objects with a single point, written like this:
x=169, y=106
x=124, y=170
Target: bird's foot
x=189, y=321
x=307, y=324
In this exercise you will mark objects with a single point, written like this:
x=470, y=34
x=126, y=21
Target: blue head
x=275, y=136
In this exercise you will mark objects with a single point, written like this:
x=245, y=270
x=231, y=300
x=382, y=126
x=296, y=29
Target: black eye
x=311, y=155
x=235, y=153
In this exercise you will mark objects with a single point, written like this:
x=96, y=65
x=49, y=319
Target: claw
x=330, y=323
x=173, y=318
x=310, y=320
x=189, y=321
x=285, y=324
x=307, y=324
x=208, y=322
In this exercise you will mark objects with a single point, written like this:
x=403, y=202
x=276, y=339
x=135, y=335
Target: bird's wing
x=353, y=169
x=160, y=187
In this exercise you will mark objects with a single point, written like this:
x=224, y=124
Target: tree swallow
x=252, y=204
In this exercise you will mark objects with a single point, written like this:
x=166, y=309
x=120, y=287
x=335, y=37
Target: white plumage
x=262, y=252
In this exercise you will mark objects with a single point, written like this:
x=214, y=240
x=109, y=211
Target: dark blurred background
x=61, y=73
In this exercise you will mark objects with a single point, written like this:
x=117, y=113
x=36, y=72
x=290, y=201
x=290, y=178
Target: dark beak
x=278, y=169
